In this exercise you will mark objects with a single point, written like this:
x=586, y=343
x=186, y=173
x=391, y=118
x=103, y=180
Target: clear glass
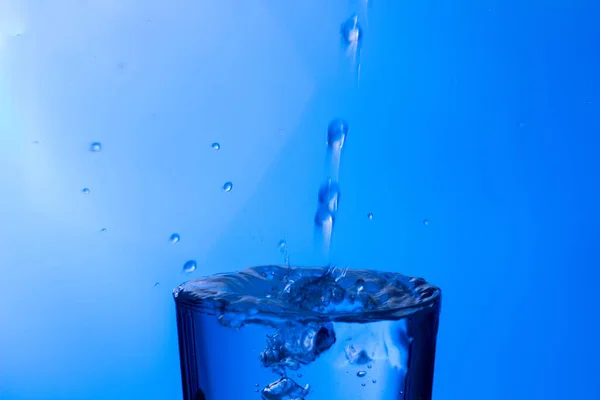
x=374, y=357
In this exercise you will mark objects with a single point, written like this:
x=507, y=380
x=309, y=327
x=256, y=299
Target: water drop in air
x=336, y=133
x=174, y=238
x=189, y=266
x=360, y=374
x=228, y=186
x=363, y=384
x=370, y=216
x=95, y=147
x=351, y=31
x=216, y=146
x=329, y=196
x=323, y=217
x=282, y=245
x=425, y=222
x=85, y=190
x=103, y=230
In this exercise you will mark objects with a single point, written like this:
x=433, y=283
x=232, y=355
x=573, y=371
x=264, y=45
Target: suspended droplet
x=85, y=190
x=336, y=133
x=360, y=374
x=189, y=266
x=282, y=243
x=96, y=147
x=323, y=217
x=216, y=146
x=425, y=222
x=228, y=186
x=370, y=216
x=329, y=195
x=174, y=238
x=374, y=380
x=363, y=384
x=351, y=31
x=103, y=230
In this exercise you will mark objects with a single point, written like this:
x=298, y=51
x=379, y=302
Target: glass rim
x=185, y=298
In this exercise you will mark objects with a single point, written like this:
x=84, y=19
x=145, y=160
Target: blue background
x=480, y=116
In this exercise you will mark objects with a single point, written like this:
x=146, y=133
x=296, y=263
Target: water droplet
x=281, y=244
x=336, y=132
x=228, y=186
x=189, y=266
x=85, y=190
x=174, y=238
x=323, y=217
x=360, y=374
x=369, y=366
x=36, y=142
x=96, y=147
x=363, y=384
x=425, y=222
x=156, y=284
x=370, y=216
x=329, y=195
x=103, y=230
x=374, y=381
x=299, y=375
x=256, y=384
x=216, y=146
x=351, y=31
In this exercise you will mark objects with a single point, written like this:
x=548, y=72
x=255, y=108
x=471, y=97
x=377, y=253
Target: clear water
x=307, y=333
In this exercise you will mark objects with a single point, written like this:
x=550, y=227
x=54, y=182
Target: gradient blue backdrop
x=480, y=116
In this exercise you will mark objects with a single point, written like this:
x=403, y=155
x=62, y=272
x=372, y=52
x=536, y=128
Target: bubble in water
x=85, y=190
x=174, y=238
x=189, y=266
x=361, y=374
x=228, y=186
x=336, y=133
x=329, y=195
x=357, y=357
x=351, y=31
x=216, y=146
x=284, y=389
x=370, y=216
x=289, y=347
x=96, y=147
